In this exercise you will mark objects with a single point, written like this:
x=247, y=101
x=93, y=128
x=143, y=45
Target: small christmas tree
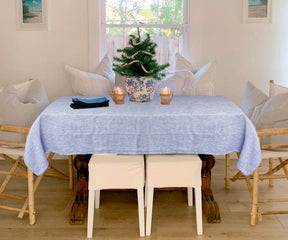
x=137, y=59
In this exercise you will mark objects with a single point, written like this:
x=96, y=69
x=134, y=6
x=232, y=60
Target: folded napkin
x=79, y=103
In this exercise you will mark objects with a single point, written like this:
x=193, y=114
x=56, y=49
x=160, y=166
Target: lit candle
x=166, y=95
x=165, y=90
x=118, y=90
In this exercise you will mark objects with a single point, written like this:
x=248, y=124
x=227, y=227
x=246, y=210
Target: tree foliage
x=137, y=60
x=160, y=12
x=171, y=12
x=25, y=8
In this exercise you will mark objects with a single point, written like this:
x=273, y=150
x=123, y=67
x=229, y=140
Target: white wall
x=244, y=52
x=254, y=52
x=42, y=54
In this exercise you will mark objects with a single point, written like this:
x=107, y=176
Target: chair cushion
x=173, y=170
x=273, y=154
x=21, y=112
x=108, y=171
x=17, y=151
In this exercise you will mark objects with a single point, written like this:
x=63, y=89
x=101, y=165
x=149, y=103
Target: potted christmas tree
x=141, y=70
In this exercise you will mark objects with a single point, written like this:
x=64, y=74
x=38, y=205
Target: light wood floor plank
x=117, y=217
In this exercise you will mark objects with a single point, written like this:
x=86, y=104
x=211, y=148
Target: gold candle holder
x=118, y=95
x=166, y=95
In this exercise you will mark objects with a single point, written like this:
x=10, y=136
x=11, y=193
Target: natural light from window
x=165, y=20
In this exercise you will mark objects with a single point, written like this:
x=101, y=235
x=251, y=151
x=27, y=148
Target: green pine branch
x=138, y=55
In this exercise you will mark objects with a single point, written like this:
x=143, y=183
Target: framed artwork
x=32, y=14
x=257, y=11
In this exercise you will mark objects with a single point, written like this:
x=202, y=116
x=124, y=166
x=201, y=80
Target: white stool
x=112, y=171
x=173, y=170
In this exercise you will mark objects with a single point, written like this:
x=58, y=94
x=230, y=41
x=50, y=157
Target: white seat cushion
x=17, y=151
x=173, y=170
x=265, y=154
x=108, y=171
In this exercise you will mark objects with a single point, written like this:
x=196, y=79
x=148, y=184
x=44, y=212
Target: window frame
x=103, y=25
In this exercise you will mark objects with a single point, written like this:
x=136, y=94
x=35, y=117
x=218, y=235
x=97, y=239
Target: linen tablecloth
x=189, y=125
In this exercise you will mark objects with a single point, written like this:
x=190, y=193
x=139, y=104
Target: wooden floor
x=117, y=217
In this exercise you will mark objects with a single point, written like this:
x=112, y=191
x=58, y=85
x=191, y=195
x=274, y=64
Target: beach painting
x=257, y=10
x=32, y=14
x=32, y=11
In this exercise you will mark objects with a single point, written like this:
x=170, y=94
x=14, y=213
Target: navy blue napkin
x=79, y=103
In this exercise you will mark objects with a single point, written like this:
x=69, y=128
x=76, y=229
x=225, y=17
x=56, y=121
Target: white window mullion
x=186, y=22
x=146, y=25
x=102, y=35
x=185, y=12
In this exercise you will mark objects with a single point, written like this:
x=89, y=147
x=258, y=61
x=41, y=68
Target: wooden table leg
x=209, y=205
x=80, y=205
x=31, y=197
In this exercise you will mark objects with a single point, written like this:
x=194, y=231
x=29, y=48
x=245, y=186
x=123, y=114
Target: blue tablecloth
x=190, y=124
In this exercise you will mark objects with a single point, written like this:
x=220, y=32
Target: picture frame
x=257, y=11
x=32, y=14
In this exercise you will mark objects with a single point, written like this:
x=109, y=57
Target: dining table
x=205, y=125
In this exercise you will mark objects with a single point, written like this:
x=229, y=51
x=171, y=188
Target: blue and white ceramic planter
x=140, y=89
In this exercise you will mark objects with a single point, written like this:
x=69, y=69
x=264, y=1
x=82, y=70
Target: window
x=165, y=20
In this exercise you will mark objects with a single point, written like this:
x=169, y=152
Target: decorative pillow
x=16, y=112
x=21, y=88
x=175, y=82
x=36, y=94
x=273, y=113
x=182, y=64
x=202, y=83
x=251, y=98
x=205, y=78
x=85, y=83
x=105, y=69
x=278, y=89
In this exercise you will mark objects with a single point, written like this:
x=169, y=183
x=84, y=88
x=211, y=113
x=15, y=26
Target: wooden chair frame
x=268, y=175
x=32, y=187
x=256, y=176
x=274, y=89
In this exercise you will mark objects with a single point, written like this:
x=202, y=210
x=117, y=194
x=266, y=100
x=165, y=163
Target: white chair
x=112, y=171
x=173, y=170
